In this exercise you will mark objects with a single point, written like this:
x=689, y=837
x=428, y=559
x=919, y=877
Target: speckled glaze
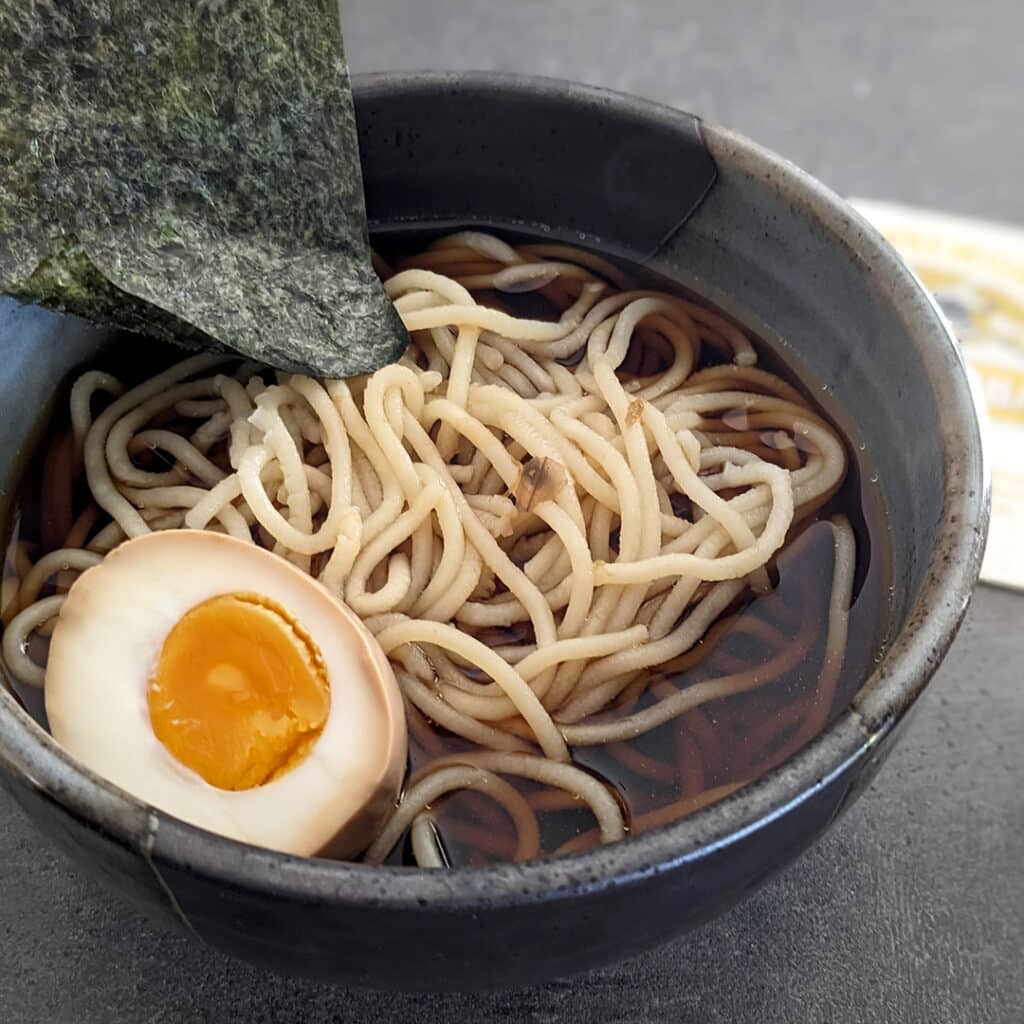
x=767, y=244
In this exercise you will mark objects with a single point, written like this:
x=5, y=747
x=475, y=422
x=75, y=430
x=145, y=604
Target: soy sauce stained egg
x=219, y=683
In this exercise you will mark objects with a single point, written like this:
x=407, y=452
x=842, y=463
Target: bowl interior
x=757, y=238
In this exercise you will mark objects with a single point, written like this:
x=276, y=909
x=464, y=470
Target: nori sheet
x=190, y=170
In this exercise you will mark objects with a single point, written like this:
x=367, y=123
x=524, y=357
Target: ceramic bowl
x=766, y=244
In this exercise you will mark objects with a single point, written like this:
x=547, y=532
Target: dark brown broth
x=724, y=742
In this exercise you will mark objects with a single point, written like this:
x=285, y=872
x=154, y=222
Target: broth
x=663, y=774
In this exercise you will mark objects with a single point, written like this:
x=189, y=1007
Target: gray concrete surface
x=912, y=910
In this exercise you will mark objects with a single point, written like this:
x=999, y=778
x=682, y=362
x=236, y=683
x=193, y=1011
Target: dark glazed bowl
x=768, y=245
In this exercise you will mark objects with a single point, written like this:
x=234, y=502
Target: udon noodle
x=540, y=517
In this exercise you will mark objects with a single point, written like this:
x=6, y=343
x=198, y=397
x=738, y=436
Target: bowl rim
x=29, y=754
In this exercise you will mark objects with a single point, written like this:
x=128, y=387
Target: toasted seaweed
x=190, y=170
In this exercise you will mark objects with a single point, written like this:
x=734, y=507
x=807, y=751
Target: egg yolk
x=240, y=692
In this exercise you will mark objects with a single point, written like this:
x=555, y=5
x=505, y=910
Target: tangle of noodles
x=540, y=518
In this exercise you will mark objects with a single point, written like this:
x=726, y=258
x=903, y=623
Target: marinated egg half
x=221, y=684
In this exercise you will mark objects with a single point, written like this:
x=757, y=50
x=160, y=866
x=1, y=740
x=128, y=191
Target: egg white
x=106, y=647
